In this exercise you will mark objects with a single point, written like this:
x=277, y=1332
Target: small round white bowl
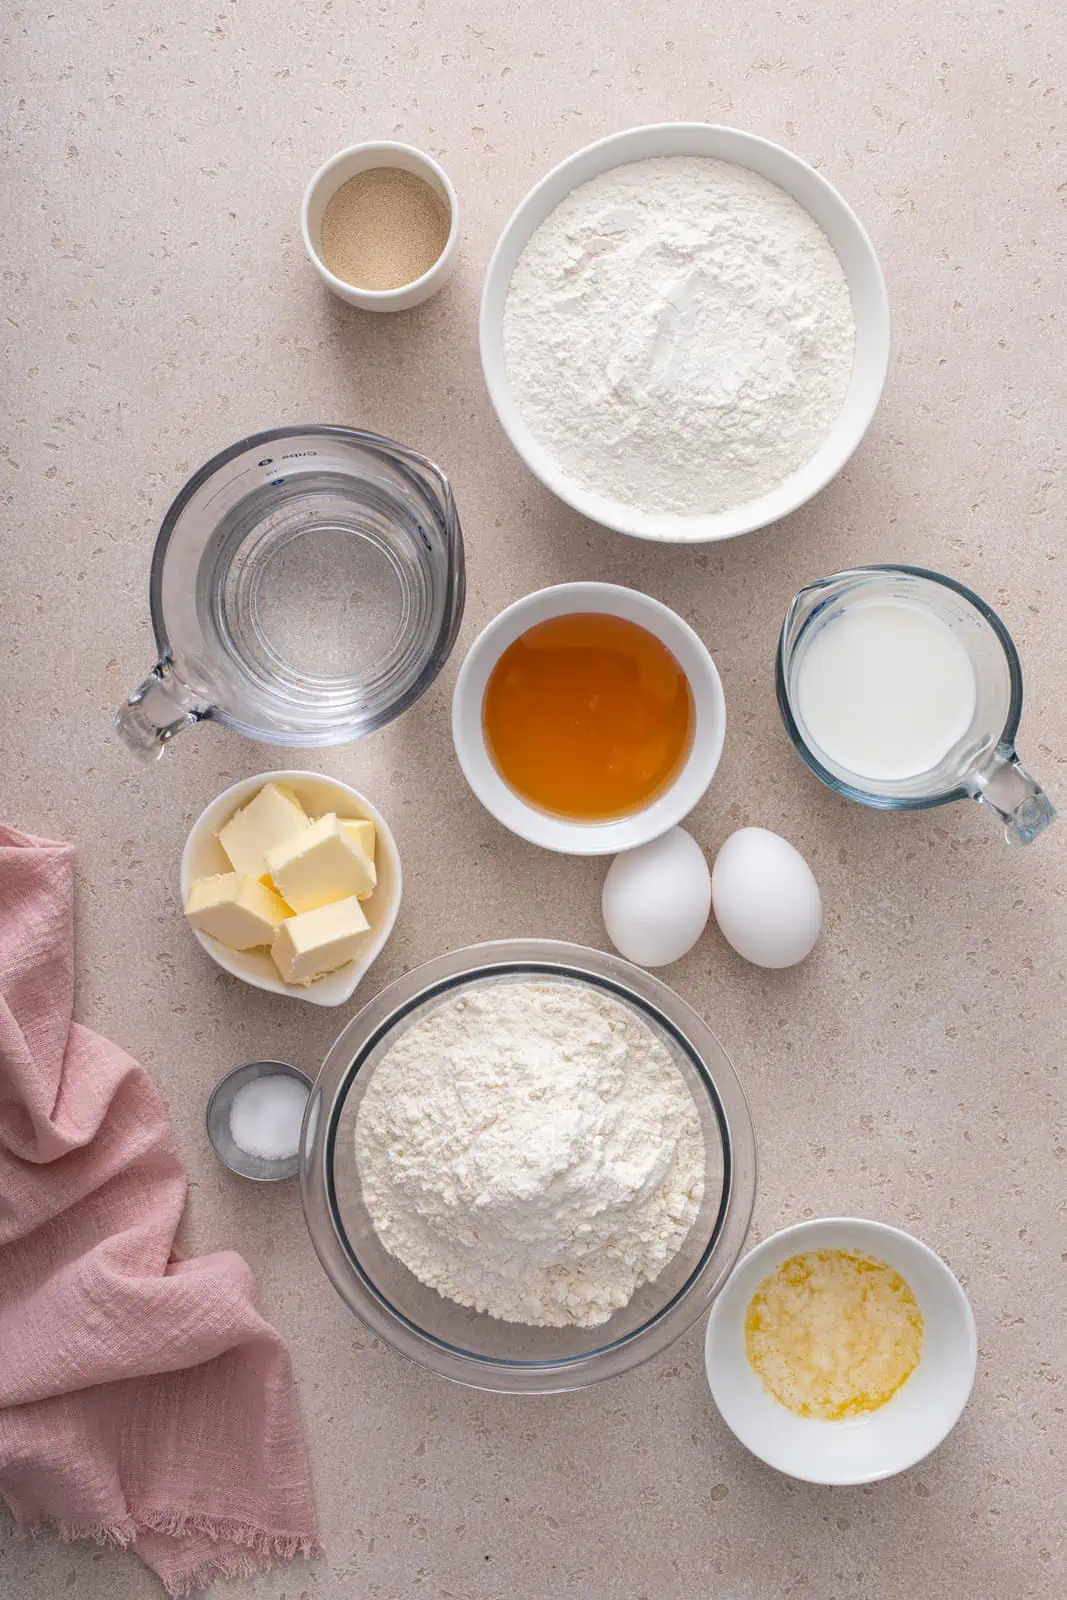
x=870, y=305
x=560, y=833
x=203, y=856
x=325, y=184
x=861, y=1449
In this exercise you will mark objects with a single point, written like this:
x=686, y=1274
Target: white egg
x=766, y=900
x=657, y=899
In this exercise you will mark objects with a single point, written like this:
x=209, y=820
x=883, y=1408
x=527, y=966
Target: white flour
x=678, y=335
x=530, y=1149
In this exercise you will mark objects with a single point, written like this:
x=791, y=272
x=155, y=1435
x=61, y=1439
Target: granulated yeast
x=383, y=229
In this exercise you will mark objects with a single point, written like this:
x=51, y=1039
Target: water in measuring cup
x=313, y=594
x=885, y=690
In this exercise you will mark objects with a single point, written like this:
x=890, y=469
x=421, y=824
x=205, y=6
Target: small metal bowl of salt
x=254, y=1118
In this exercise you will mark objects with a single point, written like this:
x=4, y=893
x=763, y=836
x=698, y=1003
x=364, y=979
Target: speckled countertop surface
x=156, y=306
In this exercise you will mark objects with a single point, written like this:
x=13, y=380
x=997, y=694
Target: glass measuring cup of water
x=307, y=586
x=901, y=689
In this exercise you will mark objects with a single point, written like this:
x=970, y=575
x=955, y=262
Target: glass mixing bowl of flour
x=456, y=1341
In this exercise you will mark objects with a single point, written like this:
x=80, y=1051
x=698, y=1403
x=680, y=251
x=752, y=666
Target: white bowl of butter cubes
x=291, y=881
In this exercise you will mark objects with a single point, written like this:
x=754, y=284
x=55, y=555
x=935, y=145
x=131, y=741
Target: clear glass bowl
x=468, y=1346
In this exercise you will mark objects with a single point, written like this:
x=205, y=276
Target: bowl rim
x=667, y=809
x=717, y=141
x=648, y=995
x=864, y=1227
x=337, y=992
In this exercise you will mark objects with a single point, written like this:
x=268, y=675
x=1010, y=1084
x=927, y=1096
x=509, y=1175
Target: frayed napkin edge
x=256, y=1549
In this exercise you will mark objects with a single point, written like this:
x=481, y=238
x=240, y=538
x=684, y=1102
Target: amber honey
x=588, y=716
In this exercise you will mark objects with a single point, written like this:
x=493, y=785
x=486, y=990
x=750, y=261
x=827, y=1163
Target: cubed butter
x=315, y=942
x=237, y=910
x=273, y=817
x=320, y=865
x=361, y=833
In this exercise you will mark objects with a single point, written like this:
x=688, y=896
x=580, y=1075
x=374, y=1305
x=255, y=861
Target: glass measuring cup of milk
x=307, y=586
x=901, y=689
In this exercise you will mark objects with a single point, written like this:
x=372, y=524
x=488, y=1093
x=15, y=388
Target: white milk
x=885, y=690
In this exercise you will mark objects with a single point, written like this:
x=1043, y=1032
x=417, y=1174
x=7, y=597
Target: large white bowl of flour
x=684, y=332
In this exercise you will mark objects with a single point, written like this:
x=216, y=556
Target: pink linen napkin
x=143, y=1400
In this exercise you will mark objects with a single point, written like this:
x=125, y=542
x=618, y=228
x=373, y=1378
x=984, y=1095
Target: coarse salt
x=266, y=1115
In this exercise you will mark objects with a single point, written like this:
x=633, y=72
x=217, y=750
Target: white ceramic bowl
x=204, y=856
x=325, y=184
x=862, y=1449
x=870, y=305
x=559, y=833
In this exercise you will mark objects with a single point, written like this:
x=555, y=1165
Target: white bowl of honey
x=588, y=718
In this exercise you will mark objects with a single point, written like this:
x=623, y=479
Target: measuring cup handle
x=1016, y=797
x=155, y=711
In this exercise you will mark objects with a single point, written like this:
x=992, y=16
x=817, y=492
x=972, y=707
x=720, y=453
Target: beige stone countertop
x=156, y=305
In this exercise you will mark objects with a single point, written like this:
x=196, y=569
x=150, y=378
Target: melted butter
x=833, y=1333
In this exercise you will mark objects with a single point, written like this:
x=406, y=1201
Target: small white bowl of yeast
x=865, y=1444
x=204, y=856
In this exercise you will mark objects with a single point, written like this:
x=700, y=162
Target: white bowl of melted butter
x=841, y=1351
